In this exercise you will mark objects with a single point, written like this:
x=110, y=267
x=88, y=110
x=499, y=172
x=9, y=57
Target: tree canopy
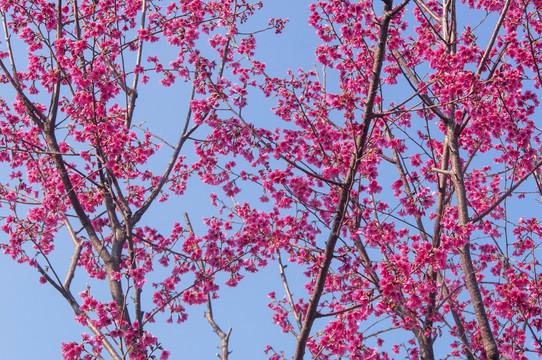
x=400, y=172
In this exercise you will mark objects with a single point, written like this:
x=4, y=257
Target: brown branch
x=75, y=257
x=426, y=8
x=484, y=213
x=225, y=338
x=221, y=334
x=342, y=207
x=442, y=200
x=461, y=332
x=7, y=39
x=75, y=306
x=35, y=115
x=412, y=78
x=55, y=95
x=106, y=344
x=114, y=286
x=449, y=35
x=493, y=38
x=133, y=93
x=473, y=287
x=288, y=292
x=338, y=312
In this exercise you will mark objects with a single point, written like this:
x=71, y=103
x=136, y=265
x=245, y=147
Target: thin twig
x=225, y=338
x=288, y=292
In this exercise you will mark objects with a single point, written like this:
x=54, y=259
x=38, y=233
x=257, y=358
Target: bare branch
x=288, y=292
x=487, y=52
x=75, y=257
x=225, y=337
x=426, y=8
x=506, y=194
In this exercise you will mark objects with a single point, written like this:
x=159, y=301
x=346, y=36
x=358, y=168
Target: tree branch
x=506, y=194
x=225, y=338
x=288, y=292
x=75, y=257
x=221, y=334
x=342, y=207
